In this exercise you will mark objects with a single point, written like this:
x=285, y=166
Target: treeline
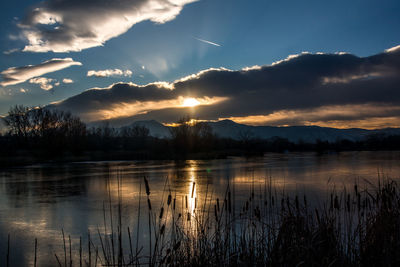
x=42, y=132
x=44, y=129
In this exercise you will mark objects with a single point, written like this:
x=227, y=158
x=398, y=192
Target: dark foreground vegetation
x=351, y=228
x=39, y=134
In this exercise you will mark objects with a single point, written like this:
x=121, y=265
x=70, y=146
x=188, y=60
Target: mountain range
x=309, y=134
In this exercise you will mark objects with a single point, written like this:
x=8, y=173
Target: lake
x=41, y=201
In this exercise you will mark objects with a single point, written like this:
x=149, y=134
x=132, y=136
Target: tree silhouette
x=45, y=128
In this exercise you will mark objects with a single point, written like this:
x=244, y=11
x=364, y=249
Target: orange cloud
x=367, y=116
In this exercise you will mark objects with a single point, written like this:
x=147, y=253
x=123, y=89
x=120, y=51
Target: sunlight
x=125, y=109
x=190, y=102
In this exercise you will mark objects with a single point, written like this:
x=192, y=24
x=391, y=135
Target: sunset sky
x=326, y=63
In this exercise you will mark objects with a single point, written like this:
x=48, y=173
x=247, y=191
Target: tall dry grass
x=352, y=227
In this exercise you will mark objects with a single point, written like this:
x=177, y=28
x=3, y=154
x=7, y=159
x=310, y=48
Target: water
x=40, y=201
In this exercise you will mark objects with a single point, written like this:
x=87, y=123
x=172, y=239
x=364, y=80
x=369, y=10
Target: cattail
x=186, y=202
x=188, y=216
x=169, y=199
x=174, y=203
x=161, y=212
x=194, y=184
x=149, y=203
x=177, y=245
x=162, y=230
x=257, y=213
x=336, y=203
x=146, y=183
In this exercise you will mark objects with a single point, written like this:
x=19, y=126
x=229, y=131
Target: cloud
x=304, y=89
x=66, y=80
x=74, y=25
x=45, y=83
x=393, y=49
x=124, y=109
x=109, y=73
x=10, y=51
x=371, y=116
x=16, y=75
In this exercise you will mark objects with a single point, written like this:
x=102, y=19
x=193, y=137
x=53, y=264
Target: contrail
x=207, y=42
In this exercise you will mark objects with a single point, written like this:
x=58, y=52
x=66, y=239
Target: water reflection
x=39, y=201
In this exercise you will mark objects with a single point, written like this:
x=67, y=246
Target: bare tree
x=47, y=127
x=17, y=121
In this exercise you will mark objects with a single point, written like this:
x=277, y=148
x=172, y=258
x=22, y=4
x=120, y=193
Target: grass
x=351, y=228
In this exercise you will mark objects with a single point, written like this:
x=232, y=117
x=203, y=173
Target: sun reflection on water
x=40, y=203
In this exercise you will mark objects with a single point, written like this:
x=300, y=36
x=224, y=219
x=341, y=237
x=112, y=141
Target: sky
x=325, y=63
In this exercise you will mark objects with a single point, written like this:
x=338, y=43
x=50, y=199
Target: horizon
x=175, y=124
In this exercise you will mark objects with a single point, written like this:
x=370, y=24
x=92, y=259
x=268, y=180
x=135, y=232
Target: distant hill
x=237, y=131
x=309, y=134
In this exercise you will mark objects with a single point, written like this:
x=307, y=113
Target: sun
x=190, y=102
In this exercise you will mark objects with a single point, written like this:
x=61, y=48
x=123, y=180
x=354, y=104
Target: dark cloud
x=299, y=83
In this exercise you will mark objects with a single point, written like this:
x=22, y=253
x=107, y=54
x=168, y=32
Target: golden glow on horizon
x=142, y=107
x=191, y=122
x=260, y=120
x=366, y=116
x=369, y=124
x=190, y=102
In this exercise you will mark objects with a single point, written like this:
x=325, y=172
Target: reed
x=353, y=227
